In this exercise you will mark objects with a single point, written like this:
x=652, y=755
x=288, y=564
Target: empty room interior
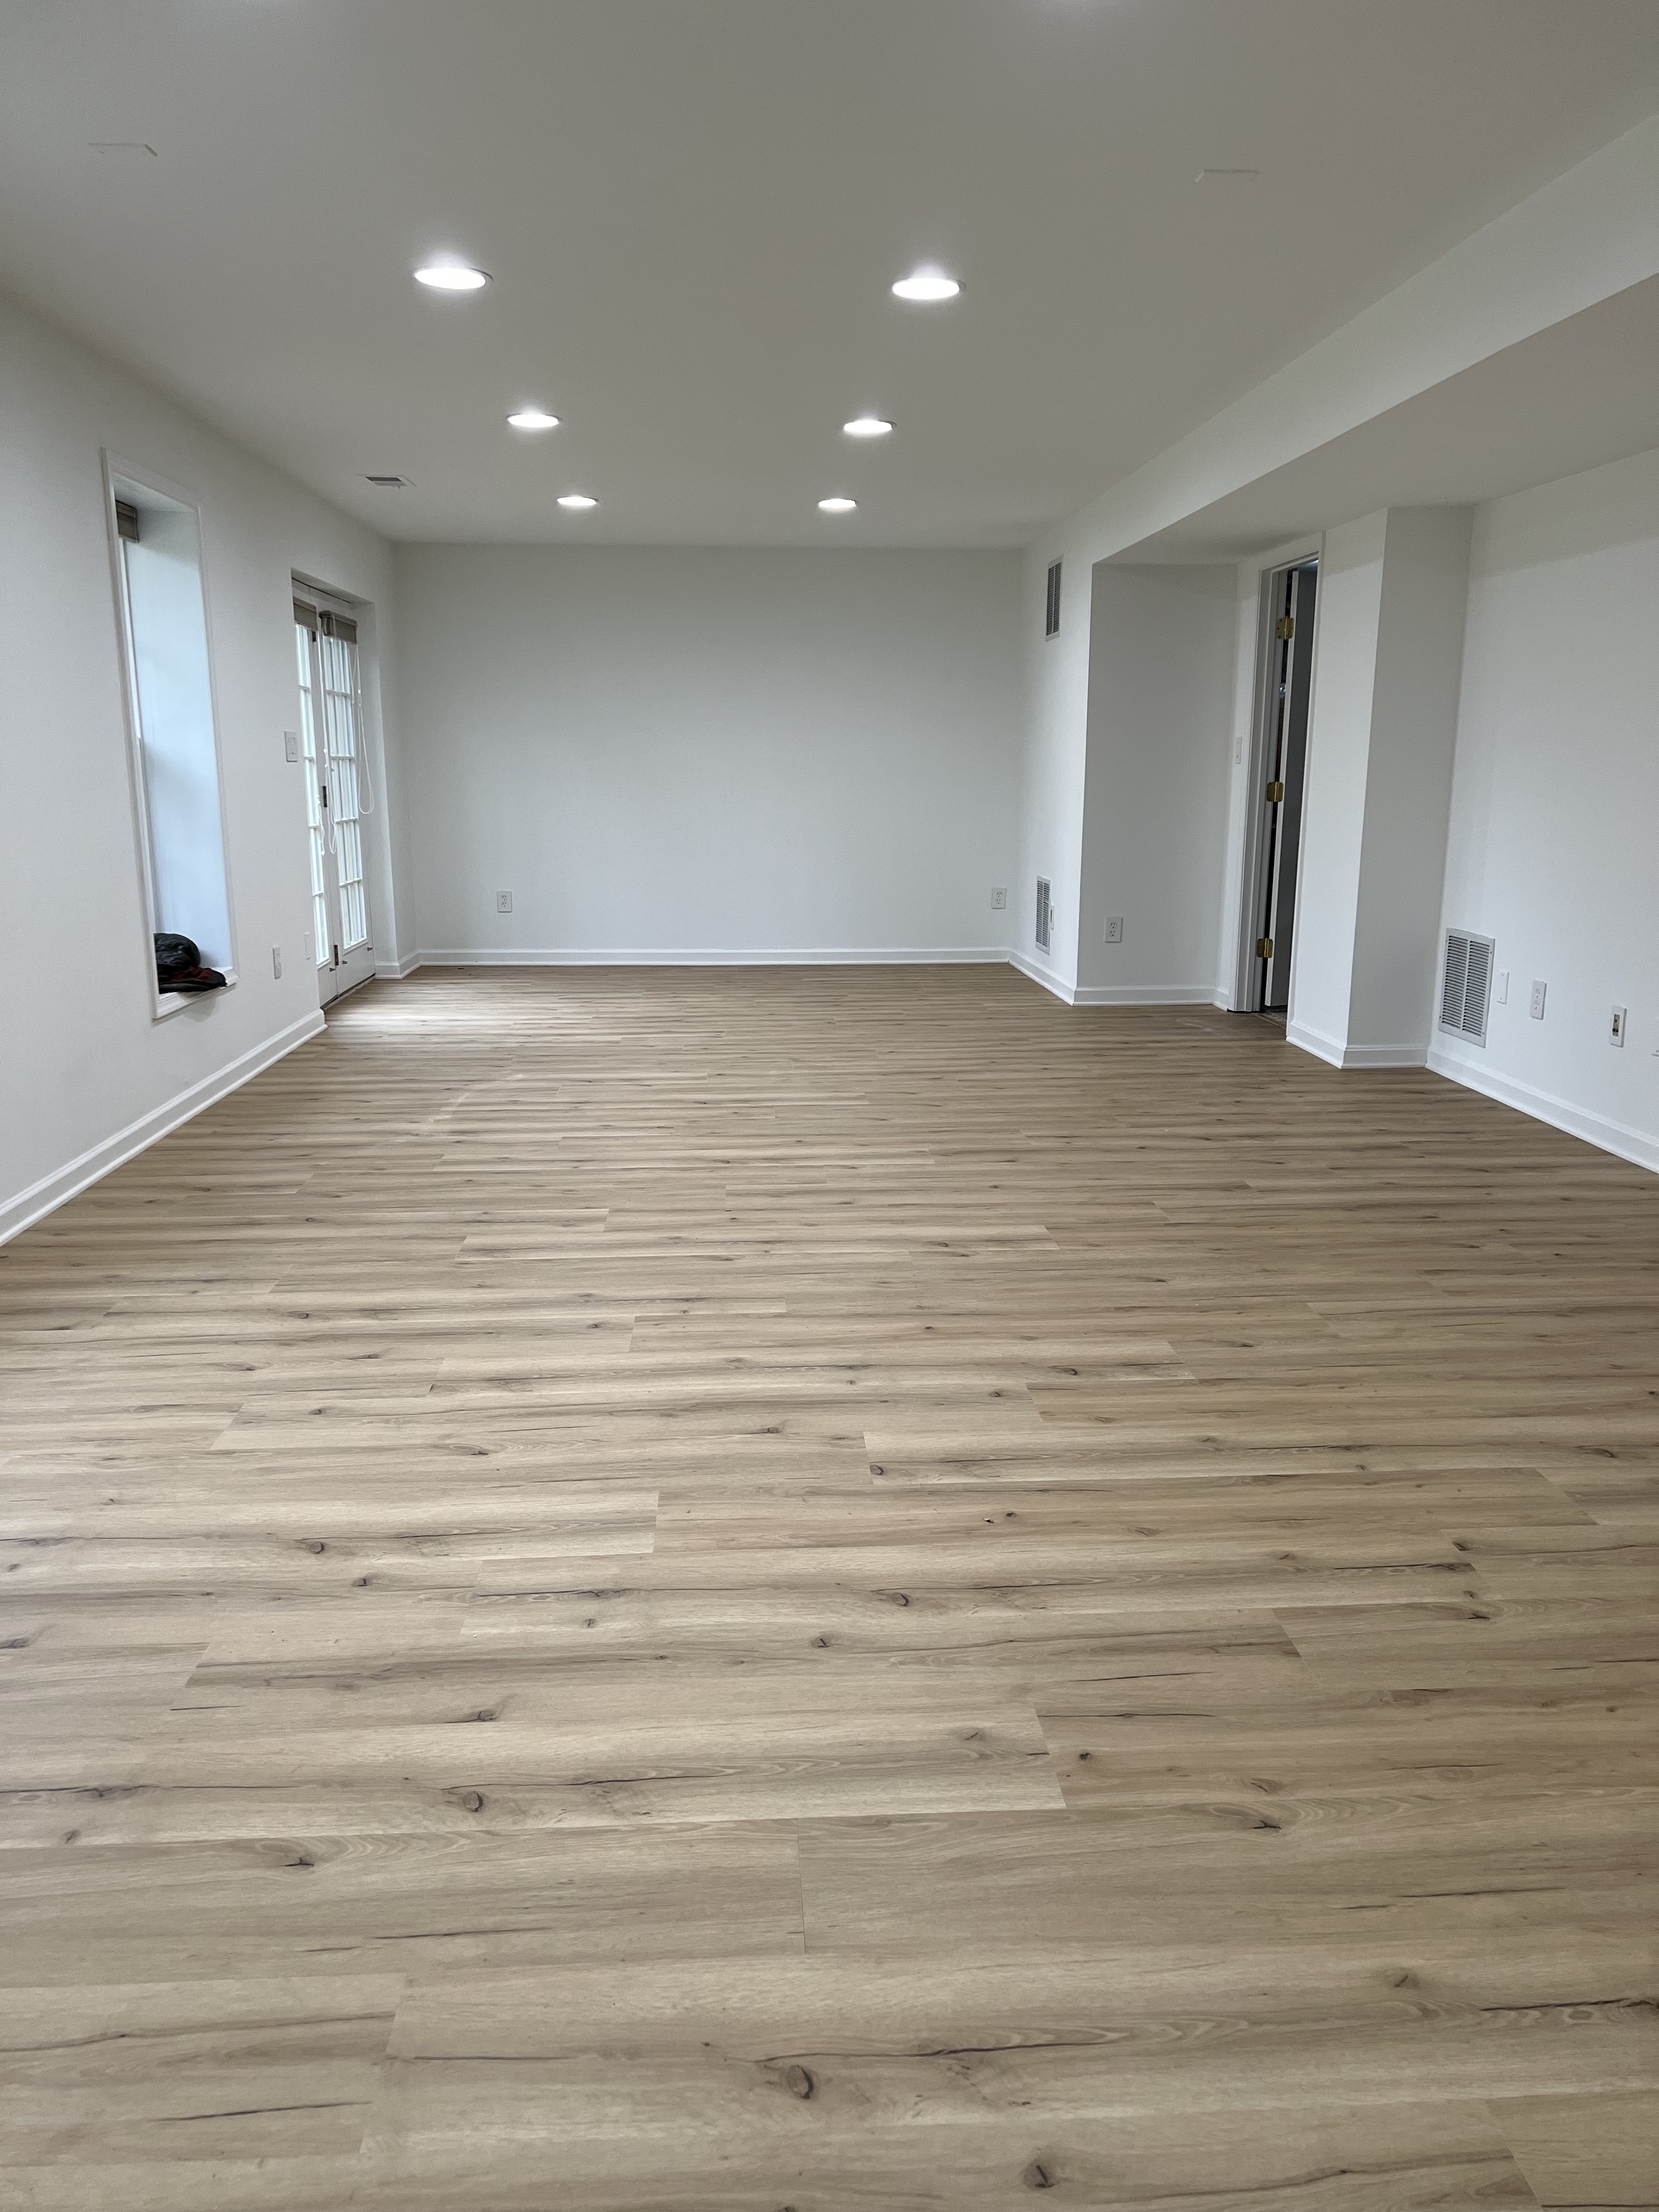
x=830, y=1178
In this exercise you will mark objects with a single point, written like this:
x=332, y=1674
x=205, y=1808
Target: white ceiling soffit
x=692, y=210
x=1579, y=393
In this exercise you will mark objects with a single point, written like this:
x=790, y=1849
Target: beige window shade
x=126, y=520
x=341, y=626
x=306, y=617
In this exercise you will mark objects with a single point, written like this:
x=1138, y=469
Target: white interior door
x=336, y=794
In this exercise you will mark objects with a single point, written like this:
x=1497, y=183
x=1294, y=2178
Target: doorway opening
x=337, y=790
x=1279, y=776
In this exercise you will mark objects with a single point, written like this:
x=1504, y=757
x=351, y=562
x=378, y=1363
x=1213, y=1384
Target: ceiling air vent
x=390, y=483
x=1466, y=989
x=1051, y=605
x=1042, y=914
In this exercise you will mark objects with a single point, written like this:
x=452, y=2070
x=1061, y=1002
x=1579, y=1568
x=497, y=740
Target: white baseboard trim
x=51, y=1191
x=1143, y=994
x=841, y=956
x=1607, y=1135
x=395, y=970
x=1046, y=976
x=1336, y=1054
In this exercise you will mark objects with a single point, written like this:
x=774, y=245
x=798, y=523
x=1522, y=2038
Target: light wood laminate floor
x=834, y=1590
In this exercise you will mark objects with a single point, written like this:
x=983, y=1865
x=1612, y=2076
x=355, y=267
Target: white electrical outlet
x=999, y=898
x=1537, y=1009
x=1616, y=1027
x=1114, y=929
x=277, y=962
x=503, y=902
x=291, y=746
x=1500, y=989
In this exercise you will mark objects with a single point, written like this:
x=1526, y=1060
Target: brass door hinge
x=1275, y=794
x=1264, y=948
x=1285, y=626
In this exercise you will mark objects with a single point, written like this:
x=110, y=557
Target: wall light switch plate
x=291, y=746
x=503, y=902
x=999, y=898
x=1616, y=1027
x=1500, y=989
x=277, y=962
x=1537, y=1009
x=1114, y=929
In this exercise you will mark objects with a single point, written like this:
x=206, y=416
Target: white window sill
x=168, y=1003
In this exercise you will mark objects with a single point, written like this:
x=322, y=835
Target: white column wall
x=1381, y=730
x=1419, y=663
x=1333, y=808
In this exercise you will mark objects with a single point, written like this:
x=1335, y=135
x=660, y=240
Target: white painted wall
x=1053, y=766
x=1555, y=800
x=1382, y=729
x=1162, y=644
x=1414, y=710
x=1349, y=617
x=710, y=753
x=88, y=1075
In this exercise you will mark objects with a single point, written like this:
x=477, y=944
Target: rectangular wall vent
x=390, y=483
x=1042, y=914
x=1051, y=616
x=1466, y=987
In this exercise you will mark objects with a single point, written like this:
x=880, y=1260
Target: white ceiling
x=692, y=210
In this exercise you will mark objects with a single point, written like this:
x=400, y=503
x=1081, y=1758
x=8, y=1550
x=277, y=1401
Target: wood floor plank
x=683, y=1592
x=1585, y=2154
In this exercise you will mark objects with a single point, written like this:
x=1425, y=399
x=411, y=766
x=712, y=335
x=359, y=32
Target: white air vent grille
x=1466, y=987
x=390, y=483
x=1042, y=914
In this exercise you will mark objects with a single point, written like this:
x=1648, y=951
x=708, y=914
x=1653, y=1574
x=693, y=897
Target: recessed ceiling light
x=927, y=284
x=532, y=418
x=451, y=276
x=866, y=426
x=837, y=506
x=577, y=501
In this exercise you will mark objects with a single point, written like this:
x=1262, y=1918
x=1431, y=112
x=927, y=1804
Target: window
x=169, y=683
x=336, y=792
x=1051, y=617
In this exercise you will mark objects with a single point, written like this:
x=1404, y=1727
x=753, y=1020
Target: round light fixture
x=532, y=418
x=837, y=506
x=451, y=276
x=866, y=426
x=927, y=284
x=577, y=501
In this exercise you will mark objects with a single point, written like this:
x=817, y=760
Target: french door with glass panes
x=338, y=794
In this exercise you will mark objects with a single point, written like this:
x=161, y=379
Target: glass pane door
x=336, y=795
x=323, y=933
